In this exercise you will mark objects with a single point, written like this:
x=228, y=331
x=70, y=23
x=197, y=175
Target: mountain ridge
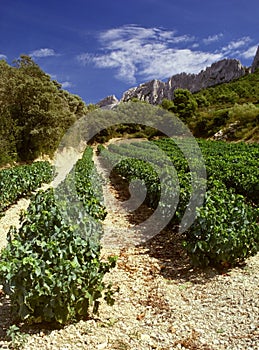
x=154, y=91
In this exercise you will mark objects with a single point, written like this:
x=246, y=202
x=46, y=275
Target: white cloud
x=212, y=38
x=66, y=84
x=138, y=53
x=178, y=61
x=235, y=45
x=3, y=57
x=43, y=53
x=250, y=53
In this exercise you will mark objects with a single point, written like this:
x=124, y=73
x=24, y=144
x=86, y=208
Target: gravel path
x=11, y=217
x=163, y=303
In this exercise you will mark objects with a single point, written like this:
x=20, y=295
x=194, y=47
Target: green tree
x=34, y=111
x=185, y=104
x=167, y=104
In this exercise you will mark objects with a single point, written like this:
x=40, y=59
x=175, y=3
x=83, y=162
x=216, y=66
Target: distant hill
x=231, y=110
x=223, y=71
x=222, y=100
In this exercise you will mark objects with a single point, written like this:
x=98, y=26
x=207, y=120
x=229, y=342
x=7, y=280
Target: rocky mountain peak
x=108, y=102
x=155, y=91
x=255, y=64
x=152, y=92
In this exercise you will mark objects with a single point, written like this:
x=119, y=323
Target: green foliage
x=21, y=181
x=207, y=124
x=185, y=104
x=201, y=101
x=34, y=111
x=242, y=90
x=245, y=116
x=236, y=102
x=142, y=161
x=168, y=105
x=89, y=186
x=50, y=269
x=226, y=230
x=234, y=164
x=18, y=339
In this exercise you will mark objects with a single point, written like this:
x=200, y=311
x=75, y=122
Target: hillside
x=221, y=100
x=35, y=111
x=228, y=110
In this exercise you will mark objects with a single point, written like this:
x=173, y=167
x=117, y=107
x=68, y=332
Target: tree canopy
x=34, y=111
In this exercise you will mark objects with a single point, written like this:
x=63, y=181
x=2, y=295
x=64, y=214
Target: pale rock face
x=152, y=92
x=108, y=102
x=255, y=64
x=220, y=72
x=155, y=91
x=227, y=132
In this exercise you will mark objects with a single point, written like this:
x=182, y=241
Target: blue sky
x=98, y=48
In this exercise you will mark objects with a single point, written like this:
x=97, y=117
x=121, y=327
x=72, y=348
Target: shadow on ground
x=166, y=246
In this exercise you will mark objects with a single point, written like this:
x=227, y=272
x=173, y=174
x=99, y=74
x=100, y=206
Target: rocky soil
x=162, y=303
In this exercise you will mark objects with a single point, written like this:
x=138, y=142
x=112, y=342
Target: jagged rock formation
x=152, y=91
x=219, y=72
x=155, y=91
x=108, y=102
x=255, y=64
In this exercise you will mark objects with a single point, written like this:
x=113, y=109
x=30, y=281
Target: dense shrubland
x=218, y=107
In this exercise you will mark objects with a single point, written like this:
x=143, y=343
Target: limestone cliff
x=154, y=91
x=108, y=102
x=255, y=64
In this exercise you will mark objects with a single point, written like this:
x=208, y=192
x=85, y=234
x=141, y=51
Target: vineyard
x=52, y=268
x=226, y=228
x=21, y=181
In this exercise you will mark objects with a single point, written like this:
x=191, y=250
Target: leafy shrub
x=52, y=270
x=244, y=113
x=226, y=230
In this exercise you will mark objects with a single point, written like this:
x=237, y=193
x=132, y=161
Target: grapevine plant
x=51, y=267
x=226, y=229
x=21, y=181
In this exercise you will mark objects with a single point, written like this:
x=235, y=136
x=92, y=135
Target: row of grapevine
x=132, y=164
x=51, y=267
x=234, y=164
x=157, y=172
x=21, y=181
x=226, y=228
x=84, y=184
